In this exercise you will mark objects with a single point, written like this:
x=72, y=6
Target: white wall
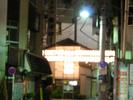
x=87, y=40
x=85, y=83
x=67, y=33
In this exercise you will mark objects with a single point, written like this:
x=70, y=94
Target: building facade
x=35, y=25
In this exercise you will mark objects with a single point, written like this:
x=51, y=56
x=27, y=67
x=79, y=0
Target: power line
x=74, y=4
x=85, y=32
x=67, y=27
x=80, y=30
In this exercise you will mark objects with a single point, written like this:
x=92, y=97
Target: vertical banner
x=122, y=80
x=130, y=93
x=131, y=74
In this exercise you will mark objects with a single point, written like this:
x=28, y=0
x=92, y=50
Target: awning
x=38, y=65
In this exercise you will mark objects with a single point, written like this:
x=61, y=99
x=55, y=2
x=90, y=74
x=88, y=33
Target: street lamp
x=84, y=13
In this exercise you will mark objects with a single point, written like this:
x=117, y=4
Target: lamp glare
x=84, y=14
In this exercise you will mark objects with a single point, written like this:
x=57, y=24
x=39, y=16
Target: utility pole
x=51, y=35
x=23, y=24
x=75, y=29
x=115, y=26
x=40, y=26
x=3, y=34
x=125, y=29
x=102, y=70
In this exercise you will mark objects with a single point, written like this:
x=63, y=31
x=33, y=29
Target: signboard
x=122, y=80
x=12, y=70
x=78, y=55
x=131, y=74
x=65, y=60
x=103, y=64
x=65, y=70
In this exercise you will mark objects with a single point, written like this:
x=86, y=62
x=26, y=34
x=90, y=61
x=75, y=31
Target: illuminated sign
x=131, y=74
x=78, y=55
x=65, y=70
x=122, y=81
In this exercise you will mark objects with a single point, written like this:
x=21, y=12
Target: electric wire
x=69, y=26
x=74, y=4
x=85, y=32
